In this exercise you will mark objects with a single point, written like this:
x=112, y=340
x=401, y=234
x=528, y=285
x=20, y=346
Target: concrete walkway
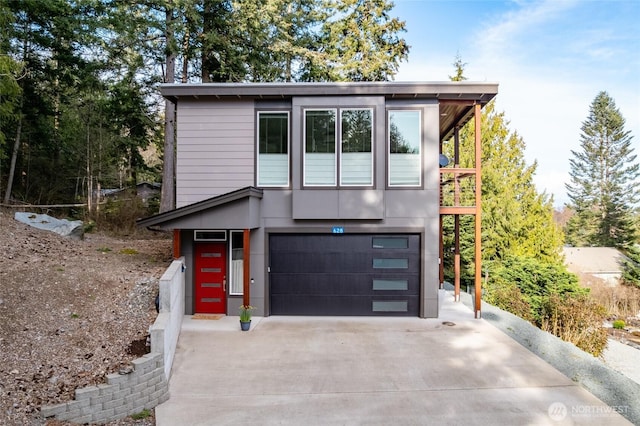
x=454, y=370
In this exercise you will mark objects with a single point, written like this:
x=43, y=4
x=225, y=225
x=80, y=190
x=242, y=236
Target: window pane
x=236, y=282
x=273, y=148
x=391, y=263
x=320, y=148
x=389, y=242
x=404, y=148
x=390, y=284
x=389, y=306
x=357, y=156
x=210, y=235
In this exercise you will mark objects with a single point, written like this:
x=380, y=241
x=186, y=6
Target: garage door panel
x=321, y=305
x=345, y=274
x=320, y=262
x=346, y=262
x=344, y=284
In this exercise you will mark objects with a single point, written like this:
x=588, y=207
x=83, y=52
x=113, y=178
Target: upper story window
x=356, y=165
x=273, y=148
x=405, y=164
x=320, y=161
x=324, y=133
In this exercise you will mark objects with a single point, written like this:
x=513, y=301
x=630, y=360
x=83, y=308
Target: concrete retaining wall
x=148, y=384
x=166, y=329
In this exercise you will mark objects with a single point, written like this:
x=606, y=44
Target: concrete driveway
x=454, y=370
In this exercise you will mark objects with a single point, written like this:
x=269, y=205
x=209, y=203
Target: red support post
x=176, y=243
x=246, y=270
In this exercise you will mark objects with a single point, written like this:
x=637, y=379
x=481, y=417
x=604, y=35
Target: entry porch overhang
x=235, y=210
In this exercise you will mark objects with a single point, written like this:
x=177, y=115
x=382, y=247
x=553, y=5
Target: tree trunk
x=14, y=158
x=167, y=195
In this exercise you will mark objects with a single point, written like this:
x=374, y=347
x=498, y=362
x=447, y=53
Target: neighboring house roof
x=235, y=210
x=456, y=98
x=593, y=260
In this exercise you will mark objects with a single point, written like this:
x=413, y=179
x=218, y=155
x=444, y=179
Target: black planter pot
x=244, y=325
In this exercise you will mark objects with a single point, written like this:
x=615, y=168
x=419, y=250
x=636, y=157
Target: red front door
x=211, y=277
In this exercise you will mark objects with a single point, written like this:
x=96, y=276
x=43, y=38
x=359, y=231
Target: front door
x=211, y=278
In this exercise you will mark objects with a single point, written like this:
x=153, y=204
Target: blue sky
x=550, y=57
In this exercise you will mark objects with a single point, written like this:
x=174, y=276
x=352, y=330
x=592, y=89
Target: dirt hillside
x=71, y=312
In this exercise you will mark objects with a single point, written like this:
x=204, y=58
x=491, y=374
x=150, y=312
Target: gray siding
x=216, y=156
x=215, y=149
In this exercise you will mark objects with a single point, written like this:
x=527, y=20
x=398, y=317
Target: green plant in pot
x=245, y=316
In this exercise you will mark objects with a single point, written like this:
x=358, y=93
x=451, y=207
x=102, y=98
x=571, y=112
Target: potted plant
x=245, y=317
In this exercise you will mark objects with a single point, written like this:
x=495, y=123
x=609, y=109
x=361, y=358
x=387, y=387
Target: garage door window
x=389, y=306
x=390, y=263
x=384, y=285
x=391, y=243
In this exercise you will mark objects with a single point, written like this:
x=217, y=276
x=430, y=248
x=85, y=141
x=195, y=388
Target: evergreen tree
x=631, y=267
x=10, y=73
x=604, y=180
x=516, y=219
x=361, y=41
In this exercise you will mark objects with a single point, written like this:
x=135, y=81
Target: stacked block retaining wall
x=123, y=394
x=148, y=384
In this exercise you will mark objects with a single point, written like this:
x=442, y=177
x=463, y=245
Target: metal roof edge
x=437, y=89
x=209, y=203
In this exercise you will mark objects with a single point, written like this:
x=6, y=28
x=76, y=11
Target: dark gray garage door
x=344, y=274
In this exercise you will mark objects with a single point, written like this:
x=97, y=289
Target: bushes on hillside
x=550, y=297
x=575, y=318
x=119, y=216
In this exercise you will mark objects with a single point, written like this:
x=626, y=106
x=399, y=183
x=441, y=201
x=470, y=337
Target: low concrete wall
x=148, y=384
x=124, y=394
x=166, y=329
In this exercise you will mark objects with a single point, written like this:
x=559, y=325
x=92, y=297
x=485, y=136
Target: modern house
x=319, y=198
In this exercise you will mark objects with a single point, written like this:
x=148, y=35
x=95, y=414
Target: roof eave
x=451, y=90
x=191, y=209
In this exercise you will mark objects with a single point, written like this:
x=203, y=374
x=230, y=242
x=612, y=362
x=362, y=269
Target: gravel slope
x=71, y=312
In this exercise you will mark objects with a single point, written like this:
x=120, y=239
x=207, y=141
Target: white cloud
x=550, y=59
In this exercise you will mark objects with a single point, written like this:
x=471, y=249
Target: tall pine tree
x=604, y=180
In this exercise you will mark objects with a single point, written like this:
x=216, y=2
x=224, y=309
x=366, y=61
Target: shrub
x=575, y=318
x=619, y=324
x=119, y=216
x=507, y=296
x=534, y=279
x=621, y=301
x=141, y=415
